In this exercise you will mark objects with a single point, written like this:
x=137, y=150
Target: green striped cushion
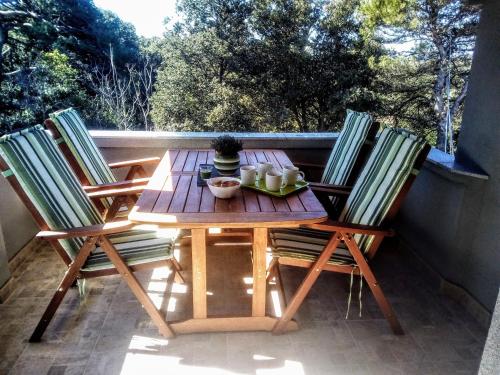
x=47, y=179
x=381, y=180
x=56, y=193
x=76, y=136
x=135, y=247
x=303, y=243
x=346, y=149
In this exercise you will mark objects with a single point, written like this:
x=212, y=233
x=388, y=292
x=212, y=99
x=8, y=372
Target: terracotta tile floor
x=107, y=332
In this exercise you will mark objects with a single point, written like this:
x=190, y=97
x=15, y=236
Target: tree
x=77, y=30
x=264, y=66
x=442, y=33
x=201, y=63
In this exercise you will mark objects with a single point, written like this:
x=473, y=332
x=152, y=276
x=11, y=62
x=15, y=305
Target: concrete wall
x=16, y=226
x=4, y=269
x=479, y=144
x=439, y=221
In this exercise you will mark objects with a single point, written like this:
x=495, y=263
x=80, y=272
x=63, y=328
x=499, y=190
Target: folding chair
x=348, y=244
x=92, y=170
x=37, y=171
x=349, y=154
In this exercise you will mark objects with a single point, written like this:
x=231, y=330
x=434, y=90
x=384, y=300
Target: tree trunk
x=3, y=40
x=439, y=104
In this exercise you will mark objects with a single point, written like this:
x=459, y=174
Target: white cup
x=292, y=174
x=274, y=180
x=248, y=174
x=262, y=169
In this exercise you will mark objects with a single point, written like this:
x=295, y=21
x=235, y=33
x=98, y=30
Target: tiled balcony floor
x=109, y=333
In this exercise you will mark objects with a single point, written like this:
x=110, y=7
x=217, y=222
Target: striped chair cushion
x=306, y=244
x=346, y=149
x=56, y=193
x=380, y=182
x=135, y=247
x=76, y=136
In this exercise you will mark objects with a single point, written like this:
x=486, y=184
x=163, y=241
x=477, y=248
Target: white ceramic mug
x=248, y=174
x=262, y=169
x=274, y=180
x=291, y=175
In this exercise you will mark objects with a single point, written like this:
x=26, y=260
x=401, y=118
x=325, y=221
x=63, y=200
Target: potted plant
x=227, y=160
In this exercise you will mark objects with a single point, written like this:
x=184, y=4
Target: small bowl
x=220, y=191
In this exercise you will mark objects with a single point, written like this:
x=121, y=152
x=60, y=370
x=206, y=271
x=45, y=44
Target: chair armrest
x=330, y=189
x=330, y=186
x=88, y=231
x=133, y=190
x=131, y=163
x=117, y=185
x=309, y=165
x=337, y=226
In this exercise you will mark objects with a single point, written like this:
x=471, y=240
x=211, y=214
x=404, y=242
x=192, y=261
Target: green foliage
x=240, y=65
x=263, y=66
x=48, y=47
x=226, y=145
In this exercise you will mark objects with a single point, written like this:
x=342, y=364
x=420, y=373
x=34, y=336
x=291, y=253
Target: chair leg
x=274, y=272
x=372, y=282
x=136, y=288
x=68, y=280
x=281, y=286
x=270, y=270
x=176, y=267
x=307, y=283
x=135, y=170
x=114, y=208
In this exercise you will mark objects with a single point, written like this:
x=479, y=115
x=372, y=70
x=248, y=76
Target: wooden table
x=173, y=199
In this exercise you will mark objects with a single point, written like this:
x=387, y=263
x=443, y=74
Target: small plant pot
x=226, y=165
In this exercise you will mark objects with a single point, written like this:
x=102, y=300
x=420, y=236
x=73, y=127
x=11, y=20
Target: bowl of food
x=223, y=187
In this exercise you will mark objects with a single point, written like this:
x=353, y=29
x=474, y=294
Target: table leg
x=259, y=272
x=199, y=250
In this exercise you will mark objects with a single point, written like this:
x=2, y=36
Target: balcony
x=441, y=273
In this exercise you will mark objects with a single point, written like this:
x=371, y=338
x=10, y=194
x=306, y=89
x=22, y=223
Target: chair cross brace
x=73, y=272
x=318, y=266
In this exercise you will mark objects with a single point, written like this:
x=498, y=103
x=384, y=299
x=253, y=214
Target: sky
x=146, y=15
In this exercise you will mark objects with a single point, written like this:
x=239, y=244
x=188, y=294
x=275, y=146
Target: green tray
x=260, y=186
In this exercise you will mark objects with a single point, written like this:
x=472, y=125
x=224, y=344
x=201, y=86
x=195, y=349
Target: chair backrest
x=359, y=130
x=385, y=179
x=49, y=187
x=70, y=131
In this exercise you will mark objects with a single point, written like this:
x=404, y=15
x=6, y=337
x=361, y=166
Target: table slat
x=181, y=194
x=166, y=194
x=207, y=200
x=180, y=161
x=194, y=200
x=190, y=163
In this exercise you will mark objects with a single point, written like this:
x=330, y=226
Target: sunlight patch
x=276, y=303
x=147, y=343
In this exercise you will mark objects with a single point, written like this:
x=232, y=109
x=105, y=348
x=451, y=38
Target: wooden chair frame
x=95, y=235
x=136, y=175
x=344, y=232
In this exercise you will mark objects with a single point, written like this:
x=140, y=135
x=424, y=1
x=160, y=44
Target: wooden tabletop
x=173, y=198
